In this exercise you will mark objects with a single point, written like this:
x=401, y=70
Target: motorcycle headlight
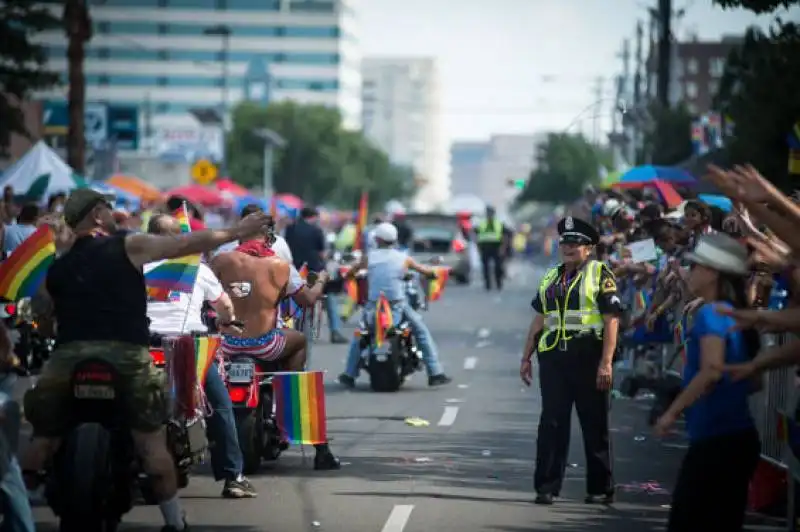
x=25, y=309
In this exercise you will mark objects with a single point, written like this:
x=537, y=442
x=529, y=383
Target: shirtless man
x=256, y=280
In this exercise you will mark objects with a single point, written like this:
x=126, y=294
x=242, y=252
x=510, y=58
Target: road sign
x=204, y=172
x=95, y=123
x=102, y=122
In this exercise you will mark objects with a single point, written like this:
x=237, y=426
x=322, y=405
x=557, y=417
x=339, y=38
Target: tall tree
x=21, y=62
x=669, y=138
x=760, y=94
x=321, y=162
x=566, y=163
x=757, y=6
x=78, y=27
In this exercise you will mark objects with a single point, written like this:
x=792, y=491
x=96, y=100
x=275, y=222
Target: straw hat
x=720, y=252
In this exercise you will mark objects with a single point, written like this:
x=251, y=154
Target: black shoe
x=239, y=489
x=543, y=499
x=325, y=461
x=439, y=380
x=338, y=338
x=347, y=381
x=607, y=498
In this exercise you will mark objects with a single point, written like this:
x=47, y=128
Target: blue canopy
x=714, y=200
x=643, y=174
x=283, y=209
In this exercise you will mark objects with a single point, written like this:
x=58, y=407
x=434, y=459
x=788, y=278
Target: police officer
x=575, y=335
x=492, y=237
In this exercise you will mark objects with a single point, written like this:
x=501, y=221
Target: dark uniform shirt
x=307, y=243
x=608, y=300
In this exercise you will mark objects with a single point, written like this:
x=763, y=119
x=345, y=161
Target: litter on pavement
x=417, y=422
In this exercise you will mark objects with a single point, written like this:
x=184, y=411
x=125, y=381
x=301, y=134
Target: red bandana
x=255, y=248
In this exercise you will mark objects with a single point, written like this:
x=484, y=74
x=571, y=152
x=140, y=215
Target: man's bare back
x=255, y=285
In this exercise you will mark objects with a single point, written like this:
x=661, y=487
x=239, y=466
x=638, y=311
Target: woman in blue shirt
x=724, y=448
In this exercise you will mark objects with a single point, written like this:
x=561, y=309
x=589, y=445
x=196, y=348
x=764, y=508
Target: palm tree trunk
x=78, y=27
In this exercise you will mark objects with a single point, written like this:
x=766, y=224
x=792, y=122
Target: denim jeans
x=332, y=309
x=19, y=517
x=226, y=456
x=422, y=336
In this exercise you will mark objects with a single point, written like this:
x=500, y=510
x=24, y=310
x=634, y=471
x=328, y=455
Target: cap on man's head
x=80, y=203
x=576, y=231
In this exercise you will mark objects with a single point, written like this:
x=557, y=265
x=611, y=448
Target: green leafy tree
x=321, y=163
x=757, y=6
x=669, y=138
x=21, y=62
x=760, y=94
x=566, y=163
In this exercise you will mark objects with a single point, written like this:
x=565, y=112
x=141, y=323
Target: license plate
x=240, y=373
x=94, y=391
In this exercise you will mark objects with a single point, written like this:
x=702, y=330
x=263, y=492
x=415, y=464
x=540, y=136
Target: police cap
x=576, y=231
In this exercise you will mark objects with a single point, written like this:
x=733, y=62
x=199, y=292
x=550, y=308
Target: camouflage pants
x=142, y=385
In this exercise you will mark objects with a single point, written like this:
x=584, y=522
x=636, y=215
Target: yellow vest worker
x=575, y=335
x=493, y=238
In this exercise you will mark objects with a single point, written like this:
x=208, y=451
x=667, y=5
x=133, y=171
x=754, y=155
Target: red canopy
x=205, y=196
x=668, y=194
x=234, y=188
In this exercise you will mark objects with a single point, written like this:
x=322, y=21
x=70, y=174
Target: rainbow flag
x=205, y=349
x=173, y=275
x=383, y=320
x=640, y=301
x=361, y=221
x=300, y=406
x=436, y=286
x=273, y=208
x=24, y=271
x=303, y=271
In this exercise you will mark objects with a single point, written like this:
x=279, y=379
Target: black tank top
x=98, y=293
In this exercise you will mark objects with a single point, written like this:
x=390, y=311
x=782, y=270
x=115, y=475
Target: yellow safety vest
x=559, y=323
x=488, y=234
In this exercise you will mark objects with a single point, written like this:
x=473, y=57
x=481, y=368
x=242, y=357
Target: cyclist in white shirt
x=182, y=314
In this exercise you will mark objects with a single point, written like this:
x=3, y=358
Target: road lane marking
x=470, y=362
x=449, y=416
x=398, y=518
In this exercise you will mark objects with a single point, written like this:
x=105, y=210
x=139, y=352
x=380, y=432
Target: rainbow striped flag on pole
x=173, y=275
x=300, y=406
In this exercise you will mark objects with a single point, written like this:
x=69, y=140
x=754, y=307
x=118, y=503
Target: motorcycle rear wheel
x=250, y=430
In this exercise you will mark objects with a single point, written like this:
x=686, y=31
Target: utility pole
x=664, y=51
x=598, y=96
x=652, y=54
x=637, y=76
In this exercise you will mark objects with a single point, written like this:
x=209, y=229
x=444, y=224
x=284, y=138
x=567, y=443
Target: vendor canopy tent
x=40, y=173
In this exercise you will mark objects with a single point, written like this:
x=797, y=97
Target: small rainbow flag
x=205, y=349
x=176, y=275
x=436, y=286
x=361, y=221
x=300, y=406
x=640, y=301
x=24, y=271
x=303, y=271
x=273, y=208
x=383, y=320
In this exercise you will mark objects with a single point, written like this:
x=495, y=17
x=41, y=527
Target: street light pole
x=271, y=140
x=224, y=32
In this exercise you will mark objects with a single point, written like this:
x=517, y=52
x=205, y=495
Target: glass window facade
x=205, y=82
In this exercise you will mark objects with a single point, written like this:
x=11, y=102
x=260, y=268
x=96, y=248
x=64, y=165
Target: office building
x=402, y=114
x=697, y=67
x=171, y=56
x=485, y=169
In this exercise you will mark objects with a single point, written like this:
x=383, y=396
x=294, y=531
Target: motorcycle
x=249, y=385
x=31, y=347
x=391, y=361
x=413, y=289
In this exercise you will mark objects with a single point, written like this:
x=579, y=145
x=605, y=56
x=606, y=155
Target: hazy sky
x=518, y=66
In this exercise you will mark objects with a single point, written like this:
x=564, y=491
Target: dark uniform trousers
x=492, y=263
x=568, y=378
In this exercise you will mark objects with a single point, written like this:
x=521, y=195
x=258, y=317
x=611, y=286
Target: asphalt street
x=470, y=469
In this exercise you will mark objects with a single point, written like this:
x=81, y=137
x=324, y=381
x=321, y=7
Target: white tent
x=40, y=173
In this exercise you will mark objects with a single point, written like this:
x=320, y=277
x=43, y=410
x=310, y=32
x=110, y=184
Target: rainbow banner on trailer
x=173, y=275
x=24, y=271
x=300, y=406
x=205, y=349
